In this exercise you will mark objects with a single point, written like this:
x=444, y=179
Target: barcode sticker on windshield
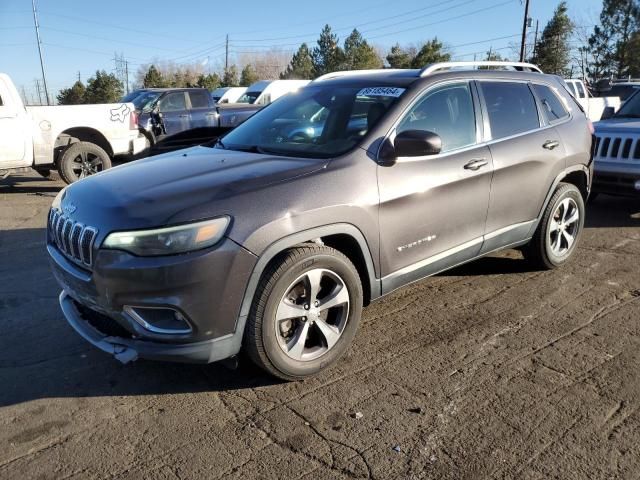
x=381, y=92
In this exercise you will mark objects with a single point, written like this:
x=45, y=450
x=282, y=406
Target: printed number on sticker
x=381, y=92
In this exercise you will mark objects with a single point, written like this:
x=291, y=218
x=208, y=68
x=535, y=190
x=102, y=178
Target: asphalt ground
x=492, y=370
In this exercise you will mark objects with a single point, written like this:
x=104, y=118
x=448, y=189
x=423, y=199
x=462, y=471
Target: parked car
x=179, y=108
x=227, y=94
x=77, y=140
x=267, y=91
x=617, y=88
x=594, y=107
x=273, y=245
x=617, y=151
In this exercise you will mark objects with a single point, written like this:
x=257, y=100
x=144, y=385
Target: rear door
x=527, y=156
x=433, y=208
x=175, y=114
x=201, y=113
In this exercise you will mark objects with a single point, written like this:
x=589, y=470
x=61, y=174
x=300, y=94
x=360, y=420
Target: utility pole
x=39, y=91
x=126, y=74
x=35, y=21
x=524, y=30
x=226, y=55
x=535, y=40
x=24, y=96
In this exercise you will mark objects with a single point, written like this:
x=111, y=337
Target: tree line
x=611, y=50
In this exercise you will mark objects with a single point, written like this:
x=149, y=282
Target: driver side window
x=173, y=102
x=447, y=111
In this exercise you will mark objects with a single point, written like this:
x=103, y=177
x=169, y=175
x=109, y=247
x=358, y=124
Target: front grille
x=617, y=148
x=103, y=324
x=73, y=239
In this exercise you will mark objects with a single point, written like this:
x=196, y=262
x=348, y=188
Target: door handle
x=476, y=164
x=183, y=116
x=551, y=144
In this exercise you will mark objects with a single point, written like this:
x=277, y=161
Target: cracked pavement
x=488, y=371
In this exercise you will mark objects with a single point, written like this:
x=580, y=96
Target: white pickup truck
x=593, y=106
x=77, y=140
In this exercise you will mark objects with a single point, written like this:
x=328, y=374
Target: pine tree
x=431, y=52
x=301, y=65
x=612, y=45
x=154, y=79
x=230, y=78
x=400, y=57
x=553, y=49
x=103, y=88
x=327, y=56
x=358, y=54
x=73, y=95
x=248, y=75
x=210, y=81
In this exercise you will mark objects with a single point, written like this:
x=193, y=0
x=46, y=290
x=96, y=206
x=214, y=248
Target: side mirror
x=417, y=143
x=607, y=113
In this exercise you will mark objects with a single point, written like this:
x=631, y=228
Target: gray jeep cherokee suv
x=272, y=243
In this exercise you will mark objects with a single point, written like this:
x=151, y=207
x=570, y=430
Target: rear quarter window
x=511, y=108
x=552, y=107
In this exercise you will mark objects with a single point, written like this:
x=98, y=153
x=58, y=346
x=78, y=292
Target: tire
x=295, y=347
x=82, y=159
x=550, y=246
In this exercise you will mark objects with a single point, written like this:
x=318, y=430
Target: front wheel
x=557, y=235
x=82, y=159
x=305, y=312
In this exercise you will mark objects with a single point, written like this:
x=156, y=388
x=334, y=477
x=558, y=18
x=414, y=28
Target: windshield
x=249, y=97
x=145, y=101
x=622, y=91
x=630, y=108
x=319, y=122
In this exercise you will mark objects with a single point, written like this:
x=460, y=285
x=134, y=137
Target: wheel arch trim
x=564, y=174
x=296, y=239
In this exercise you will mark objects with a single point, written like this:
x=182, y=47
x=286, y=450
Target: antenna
x=44, y=78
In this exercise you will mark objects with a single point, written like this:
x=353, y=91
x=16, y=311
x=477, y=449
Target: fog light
x=159, y=320
x=637, y=185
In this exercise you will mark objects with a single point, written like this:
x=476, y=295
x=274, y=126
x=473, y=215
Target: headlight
x=169, y=240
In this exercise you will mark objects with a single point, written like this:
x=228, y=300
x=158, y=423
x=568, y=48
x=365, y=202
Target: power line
x=339, y=29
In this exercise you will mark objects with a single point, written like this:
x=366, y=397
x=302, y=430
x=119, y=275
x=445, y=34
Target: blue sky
x=82, y=36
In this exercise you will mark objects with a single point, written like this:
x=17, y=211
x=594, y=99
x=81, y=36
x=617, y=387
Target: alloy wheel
x=312, y=314
x=564, y=226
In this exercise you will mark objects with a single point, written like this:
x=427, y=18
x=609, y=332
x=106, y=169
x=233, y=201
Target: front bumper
x=616, y=178
x=206, y=287
x=130, y=349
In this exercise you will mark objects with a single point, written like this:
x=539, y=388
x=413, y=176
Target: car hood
x=177, y=187
x=628, y=125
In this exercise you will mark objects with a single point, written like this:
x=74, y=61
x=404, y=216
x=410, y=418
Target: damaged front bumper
x=129, y=349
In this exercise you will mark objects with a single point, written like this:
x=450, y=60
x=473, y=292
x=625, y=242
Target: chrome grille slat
x=74, y=239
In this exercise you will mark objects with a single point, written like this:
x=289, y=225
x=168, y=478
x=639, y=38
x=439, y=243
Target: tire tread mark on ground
x=601, y=313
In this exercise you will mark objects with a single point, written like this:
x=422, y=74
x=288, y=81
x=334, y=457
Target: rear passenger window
x=199, y=99
x=447, y=111
x=581, y=92
x=511, y=108
x=552, y=106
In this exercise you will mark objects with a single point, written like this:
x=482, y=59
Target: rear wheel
x=559, y=230
x=82, y=159
x=305, y=312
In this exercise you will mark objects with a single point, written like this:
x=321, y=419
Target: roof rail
x=520, y=66
x=350, y=73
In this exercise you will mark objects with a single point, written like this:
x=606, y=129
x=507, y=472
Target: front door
x=433, y=209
